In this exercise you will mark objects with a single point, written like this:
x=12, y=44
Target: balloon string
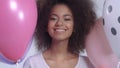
x=17, y=64
x=118, y=66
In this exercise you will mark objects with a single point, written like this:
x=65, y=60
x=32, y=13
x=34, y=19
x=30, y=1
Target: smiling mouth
x=60, y=30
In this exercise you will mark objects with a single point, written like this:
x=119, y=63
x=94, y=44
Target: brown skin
x=60, y=28
x=84, y=17
x=63, y=39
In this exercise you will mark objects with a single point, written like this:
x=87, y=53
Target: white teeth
x=59, y=30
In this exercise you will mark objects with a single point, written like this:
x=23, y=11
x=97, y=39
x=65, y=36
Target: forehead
x=61, y=8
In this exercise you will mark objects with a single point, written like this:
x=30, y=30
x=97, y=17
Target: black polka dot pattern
x=110, y=8
x=119, y=19
x=103, y=21
x=113, y=30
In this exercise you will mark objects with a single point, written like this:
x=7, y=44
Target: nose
x=59, y=22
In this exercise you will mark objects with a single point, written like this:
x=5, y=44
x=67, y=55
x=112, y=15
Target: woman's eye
x=67, y=19
x=53, y=18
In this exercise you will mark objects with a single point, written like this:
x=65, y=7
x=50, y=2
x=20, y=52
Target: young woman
x=61, y=33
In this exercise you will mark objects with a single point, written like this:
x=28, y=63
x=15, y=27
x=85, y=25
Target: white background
x=98, y=6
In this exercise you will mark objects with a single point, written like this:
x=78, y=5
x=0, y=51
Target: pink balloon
x=17, y=24
x=98, y=48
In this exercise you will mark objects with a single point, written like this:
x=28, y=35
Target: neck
x=58, y=49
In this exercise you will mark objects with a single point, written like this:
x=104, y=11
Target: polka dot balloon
x=103, y=42
x=111, y=14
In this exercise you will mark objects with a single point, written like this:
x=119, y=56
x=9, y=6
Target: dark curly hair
x=84, y=20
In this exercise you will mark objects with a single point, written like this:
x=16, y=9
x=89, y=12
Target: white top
x=38, y=61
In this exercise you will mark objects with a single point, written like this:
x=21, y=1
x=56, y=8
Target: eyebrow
x=63, y=15
x=67, y=15
x=53, y=15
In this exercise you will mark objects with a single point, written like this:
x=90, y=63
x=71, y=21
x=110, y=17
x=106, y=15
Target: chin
x=60, y=39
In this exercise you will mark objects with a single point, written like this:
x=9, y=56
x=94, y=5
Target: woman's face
x=60, y=25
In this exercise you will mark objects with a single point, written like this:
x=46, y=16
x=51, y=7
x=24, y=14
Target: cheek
x=71, y=27
x=50, y=27
x=51, y=23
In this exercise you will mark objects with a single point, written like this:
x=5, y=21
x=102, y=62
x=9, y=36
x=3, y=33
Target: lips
x=59, y=29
